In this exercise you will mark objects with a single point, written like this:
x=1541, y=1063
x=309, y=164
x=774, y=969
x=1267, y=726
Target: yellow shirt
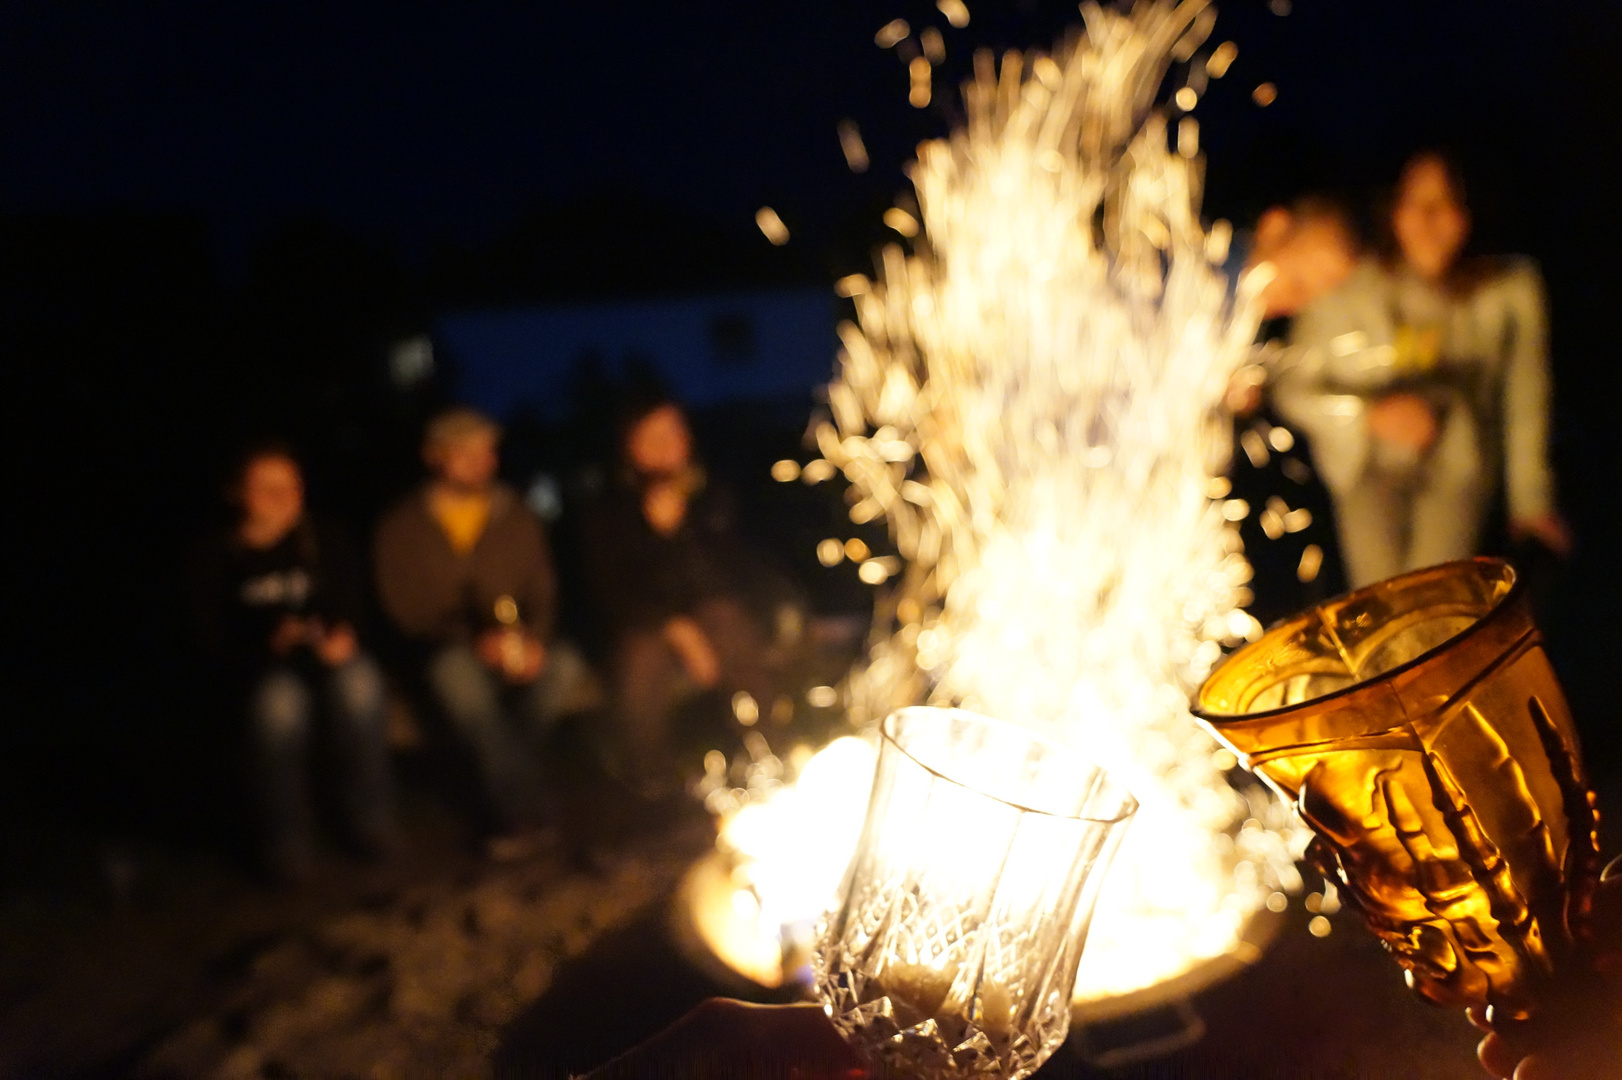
x=462, y=517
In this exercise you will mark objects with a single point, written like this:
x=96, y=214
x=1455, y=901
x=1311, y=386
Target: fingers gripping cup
x=953, y=951
x=1419, y=730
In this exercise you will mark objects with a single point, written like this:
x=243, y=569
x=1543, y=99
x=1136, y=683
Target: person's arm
x=403, y=588
x=335, y=636
x=1529, y=481
x=620, y=576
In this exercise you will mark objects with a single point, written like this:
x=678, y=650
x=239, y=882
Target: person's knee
x=464, y=687
x=358, y=686
x=281, y=708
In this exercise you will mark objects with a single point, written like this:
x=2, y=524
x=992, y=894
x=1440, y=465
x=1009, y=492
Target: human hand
x=665, y=506
x=336, y=645
x=289, y=634
x=518, y=656
x=1581, y=1039
x=694, y=650
x=1550, y=530
x=732, y=1038
x=1404, y=420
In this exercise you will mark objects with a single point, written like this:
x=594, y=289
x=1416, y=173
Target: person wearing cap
x=464, y=572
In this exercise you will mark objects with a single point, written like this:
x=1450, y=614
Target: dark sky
x=419, y=122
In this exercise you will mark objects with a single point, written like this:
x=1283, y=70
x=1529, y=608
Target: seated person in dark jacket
x=465, y=573
x=278, y=603
x=663, y=562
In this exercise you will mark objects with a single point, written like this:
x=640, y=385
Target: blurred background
x=325, y=221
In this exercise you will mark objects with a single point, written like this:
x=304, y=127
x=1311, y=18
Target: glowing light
x=1068, y=567
x=891, y=33
x=856, y=550
x=1265, y=94
x=901, y=221
x=1297, y=519
x=1188, y=137
x=1277, y=902
x=956, y=12
x=1312, y=560
x=851, y=144
x=873, y=572
x=1071, y=564
x=771, y=226
x=1187, y=98
x=785, y=471
x=822, y=697
x=815, y=472
x=830, y=552
x=790, y=849
x=1221, y=58
x=851, y=285
x=1255, y=447
x=1319, y=926
x=922, y=74
x=1281, y=439
x=745, y=708
x=934, y=45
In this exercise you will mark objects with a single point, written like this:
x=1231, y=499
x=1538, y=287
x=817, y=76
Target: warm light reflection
x=891, y=33
x=956, y=12
x=771, y=226
x=851, y=144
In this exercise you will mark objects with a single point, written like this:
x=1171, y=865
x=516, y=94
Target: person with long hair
x=278, y=605
x=1423, y=383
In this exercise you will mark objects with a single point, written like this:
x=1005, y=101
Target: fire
x=1031, y=399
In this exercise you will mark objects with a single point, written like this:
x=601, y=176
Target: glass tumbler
x=954, y=948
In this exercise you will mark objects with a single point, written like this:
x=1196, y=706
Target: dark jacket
x=640, y=579
x=241, y=595
x=435, y=596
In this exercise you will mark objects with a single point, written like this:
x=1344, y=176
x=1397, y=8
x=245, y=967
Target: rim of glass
x=1129, y=802
x=1516, y=586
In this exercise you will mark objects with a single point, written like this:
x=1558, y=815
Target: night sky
x=422, y=123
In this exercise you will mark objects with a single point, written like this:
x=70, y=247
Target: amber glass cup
x=1418, y=729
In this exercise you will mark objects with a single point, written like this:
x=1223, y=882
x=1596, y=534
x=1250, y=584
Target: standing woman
x=1424, y=382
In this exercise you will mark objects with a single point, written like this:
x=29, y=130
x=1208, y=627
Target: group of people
x=1418, y=372
x=464, y=577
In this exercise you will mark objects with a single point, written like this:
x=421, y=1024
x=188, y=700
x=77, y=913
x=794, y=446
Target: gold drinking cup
x=1417, y=727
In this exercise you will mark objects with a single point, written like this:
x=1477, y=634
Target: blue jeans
x=281, y=710
x=503, y=725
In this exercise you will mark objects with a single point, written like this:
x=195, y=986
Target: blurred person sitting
x=666, y=566
x=1421, y=380
x=278, y=603
x=464, y=571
